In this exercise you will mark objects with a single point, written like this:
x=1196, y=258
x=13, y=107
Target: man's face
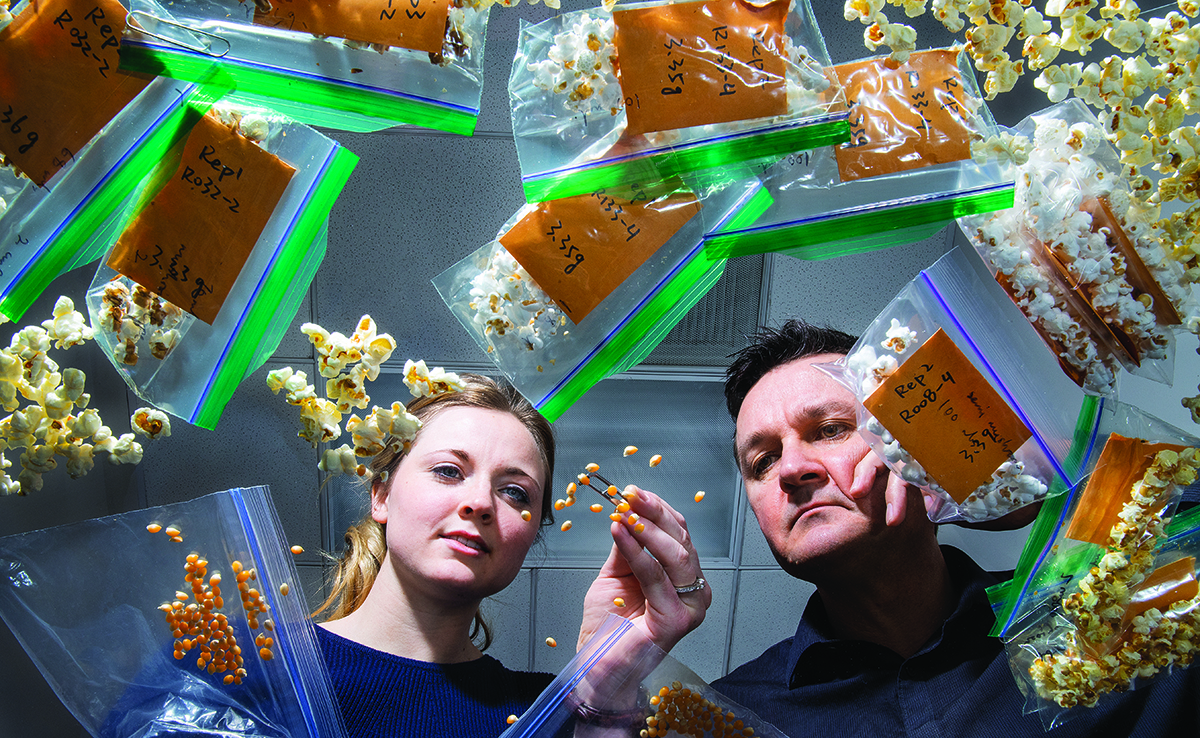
x=797, y=446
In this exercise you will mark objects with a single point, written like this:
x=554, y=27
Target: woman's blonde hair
x=366, y=544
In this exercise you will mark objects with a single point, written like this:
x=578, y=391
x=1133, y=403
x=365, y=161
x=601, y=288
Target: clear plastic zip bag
x=1078, y=257
x=655, y=90
x=72, y=220
x=156, y=653
x=961, y=399
x=420, y=66
x=620, y=683
x=906, y=172
x=199, y=321
x=1111, y=601
x=577, y=289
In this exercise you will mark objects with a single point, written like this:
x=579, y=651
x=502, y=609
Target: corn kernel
x=656, y=459
x=566, y=526
x=584, y=479
x=616, y=517
x=526, y=515
x=572, y=489
x=570, y=501
x=551, y=643
x=699, y=496
x=619, y=602
x=153, y=528
x=592, y=468
x=639, y=527
x=297, y=550
x=597, y=507
x=630, y=451
x=284, y=589
x=512, y=719
x=560, y=504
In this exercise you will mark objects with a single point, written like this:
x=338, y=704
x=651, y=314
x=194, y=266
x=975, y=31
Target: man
x=894, y=642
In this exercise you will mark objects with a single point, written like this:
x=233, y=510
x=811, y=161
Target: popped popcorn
x=348, y=363
x=508, y=305
x=150, y=422
x=1100, y=655
x=128, y=313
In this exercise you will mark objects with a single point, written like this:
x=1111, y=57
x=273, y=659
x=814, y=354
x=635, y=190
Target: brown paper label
x=579, y=249
x=943, y=412
x=410, y=24
x=59, y=82
x=189, y=244
x=692, y=64
x=904, y=118
x=1122, y=463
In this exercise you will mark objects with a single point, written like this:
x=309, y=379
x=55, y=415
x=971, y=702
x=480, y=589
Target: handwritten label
x=943, y=412
x=189, y=244
x=59, y=82
x=410, y=24
x=1122, y=463
x=580, y=249
x=904, y=118
x=696, y=63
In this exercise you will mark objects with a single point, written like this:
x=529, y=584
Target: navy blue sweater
x=390, y=696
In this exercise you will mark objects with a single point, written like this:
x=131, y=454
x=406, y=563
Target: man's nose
x=800, y=465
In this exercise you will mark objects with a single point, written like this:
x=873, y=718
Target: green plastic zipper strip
x=1045, y=526
x=673, y=300
x=745, y=217
x=1184, y=522
x=681, y=161
x=104, y=202
x=824, y=239
x=245, y=344
x=307, y=93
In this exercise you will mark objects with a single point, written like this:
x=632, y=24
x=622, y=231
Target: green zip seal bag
x=907, y=171
x=190, y=366
x=654, y=90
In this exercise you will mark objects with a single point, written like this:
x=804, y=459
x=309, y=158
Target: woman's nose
x=477, y=501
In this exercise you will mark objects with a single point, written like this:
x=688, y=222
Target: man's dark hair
x=772, y=347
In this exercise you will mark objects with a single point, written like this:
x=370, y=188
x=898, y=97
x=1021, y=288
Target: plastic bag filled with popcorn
x=84, y=203
x=960, y=398
x=576, y=289
x=1113, y=600
x=207, y=633
x=620, y=683
x=907, y=171
x=246, y=209
x=653, y=90
x=328, y=65
x=1080, y=258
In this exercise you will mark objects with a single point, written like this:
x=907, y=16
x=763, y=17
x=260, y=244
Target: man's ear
x=379, y=500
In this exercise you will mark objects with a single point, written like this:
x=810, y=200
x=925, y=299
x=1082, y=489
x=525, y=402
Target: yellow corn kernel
x=526, y=515
x=619, y=602
x=566, y=526
x=656, y=459
x=551, y=643
x=616, y=517
x=572, y=489
x=560, y=504
x=153, y=528
x=512, y=719
x=592, y=468
x=623, y=507
x=584, y=480
x=699, y=495
x=612, y=491
x=597, y=507
x=639, y=527
x=632, y=519
x=284, y=589
x=630, y=451
x=570, y=500
x=297, y=550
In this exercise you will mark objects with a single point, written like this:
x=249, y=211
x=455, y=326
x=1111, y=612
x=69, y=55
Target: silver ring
x=695, y=586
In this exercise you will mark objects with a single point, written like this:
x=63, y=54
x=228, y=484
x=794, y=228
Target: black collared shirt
x=959, y=684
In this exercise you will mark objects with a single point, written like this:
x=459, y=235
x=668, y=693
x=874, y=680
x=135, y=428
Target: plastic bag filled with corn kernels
x=959, y=396
x=200, y=628
x=1078, y=255
x=1112, y=602
x=908, y=170
x=607, y=97
x=620, y=683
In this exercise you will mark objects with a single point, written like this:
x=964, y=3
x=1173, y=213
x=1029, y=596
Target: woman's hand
x=644, y=569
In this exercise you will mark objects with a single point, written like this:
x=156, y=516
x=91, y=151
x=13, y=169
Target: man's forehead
x=794, y=391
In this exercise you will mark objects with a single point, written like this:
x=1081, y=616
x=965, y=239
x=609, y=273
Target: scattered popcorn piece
x=151, y=423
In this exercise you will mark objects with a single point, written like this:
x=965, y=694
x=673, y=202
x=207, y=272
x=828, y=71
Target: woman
x=451, y=520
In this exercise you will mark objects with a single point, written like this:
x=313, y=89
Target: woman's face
x=453, y=506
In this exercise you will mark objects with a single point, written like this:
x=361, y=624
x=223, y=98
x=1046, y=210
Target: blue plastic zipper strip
x=1062, y=517
x=1000, y=384
x=283, y=625
x=307, y=75
x=642, y=303
x=92, y=193
x=262, y=278
x=806, y=123
x=556, y=699
x=857, y=209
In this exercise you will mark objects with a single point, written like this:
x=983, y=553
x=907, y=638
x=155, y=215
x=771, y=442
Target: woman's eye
x=516, y=494
x=447, y=471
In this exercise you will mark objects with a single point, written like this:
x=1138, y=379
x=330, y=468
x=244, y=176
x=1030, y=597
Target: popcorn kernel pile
x=1155, y=640
x=686, y=712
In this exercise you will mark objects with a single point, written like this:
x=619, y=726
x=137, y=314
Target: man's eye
x=760, y=466
x=835, y=430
